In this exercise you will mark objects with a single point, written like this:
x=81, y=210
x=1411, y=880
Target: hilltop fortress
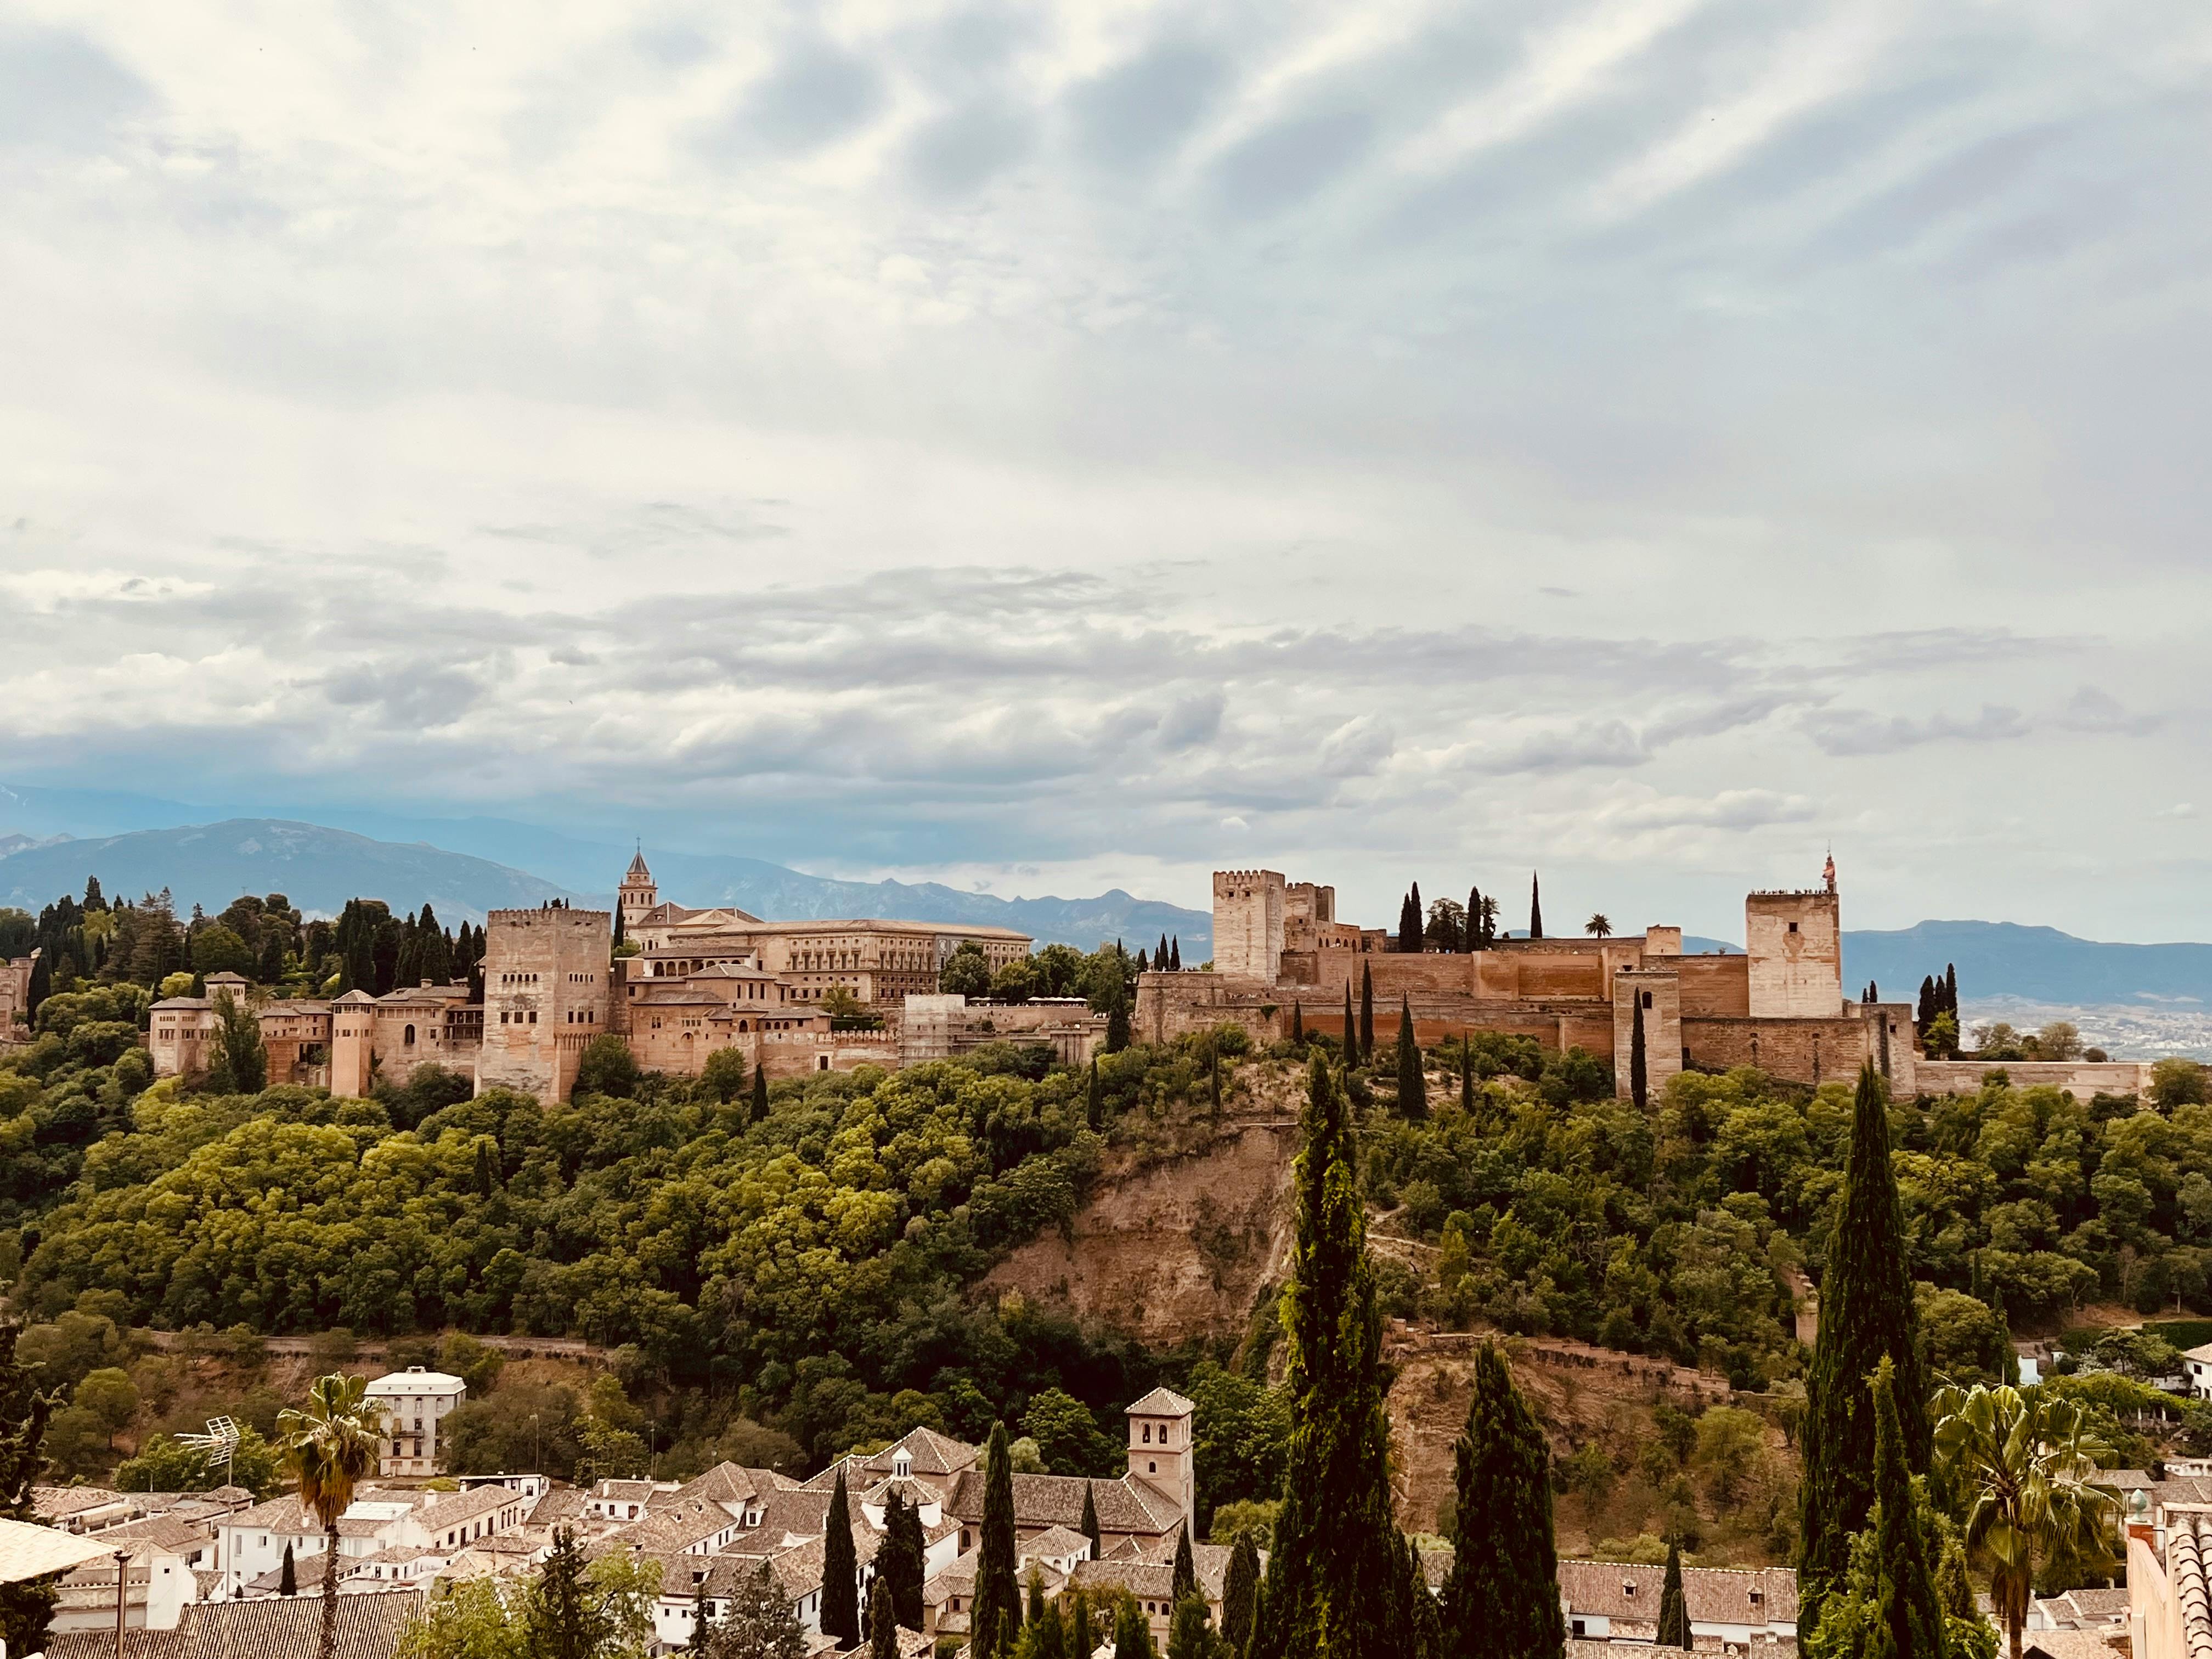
x=1281, y=959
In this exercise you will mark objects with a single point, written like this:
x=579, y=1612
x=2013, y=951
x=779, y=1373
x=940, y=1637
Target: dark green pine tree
x=1186, y=1570
x=1867, y=1314
x=562, y=1616
x=287, y=1575
x=1466, y=1071
x=26, y=1606
x=882, y=1623
x=1924, y=1011
x=1094, y=1110
x=1366, y=1016
x=995, y=1616
x=1175, y=954
x=1335, y=1561
x=1082, y=1636
x=1143, y=966
x=840, y=1578
x=1298, y=1024
x=899, y=1559
x=1117, y=1024
x=1160, y=956
x=760, y=1089
x=1535, y=908
x=1240, y=1593
x=1639, y=1073
x=1673, y=1609
x=1412, y=1083
x=619, y=923
x=1907, y=1611
x=1089, y=1525
x=1213, y=1080
x=1501, y=1600
x=1132, y=1632
x=1951, y=989
x=1409, y=923
x=1422, y=1623
x=487, y=1171
x=1351, y=1030
x=1477, y=934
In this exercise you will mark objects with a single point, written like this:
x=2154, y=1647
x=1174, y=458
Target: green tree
x=110, y=1398
x=329, y=1447
x=607, y=1067
x=899, y=1559
x=760, y=1089
x=1412, y=1084
x=1185, y=1582
x=995, y=1614
x=883, y=1623
x=467, y=1620
x=1500, y=1597
x=840, y=1582
x=723, y=1076
x=164, y=1464
x=2025, y=1465
x=1133, y=1630
x=1673, y=1609
x=1089, y=1525
x=1351, y=1028
x=1905, y=1604
x=1190, y=1634
x=26, y=1606
x=1366, y=1016
x=1535, y=908
x=1867, y=1313
x=760, y=1624
x=1335, y=1554
x=1240, y=1593
x=1117, y=1025
x=287, y=1577
x=241, y=1065
x=219, y=949
x=1639, y=1074
x=967, y=972
x=1067, y=1435
x=1600, y=926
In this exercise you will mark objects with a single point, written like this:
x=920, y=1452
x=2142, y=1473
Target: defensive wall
x=2082, y=1079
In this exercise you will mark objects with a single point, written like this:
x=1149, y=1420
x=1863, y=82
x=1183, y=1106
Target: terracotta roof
x=2070, y=1645
x=167, y=1532
x=675, y=1529
x=731, y=1483
x=1160, y=1402
x=2184, y=1567
x=1717, y=1596
x=275, y=1627
x=928, y=1452
x=58, y=1502
x=1046, y=1500
x=1152, y=1580
x=562, y=1503
x=1053, y=1540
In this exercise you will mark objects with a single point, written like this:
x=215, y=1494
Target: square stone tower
x=353, y=1040
x=1248, y=923
x=1160, y=1449
x=1796, y=944
x=546, y=996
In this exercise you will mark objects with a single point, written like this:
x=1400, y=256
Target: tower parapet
x=1248, y=923
x=546, y=996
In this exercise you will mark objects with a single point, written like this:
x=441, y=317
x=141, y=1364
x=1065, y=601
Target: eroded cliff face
x=1178, y=1247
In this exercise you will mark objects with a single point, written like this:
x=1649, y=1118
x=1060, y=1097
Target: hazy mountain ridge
x=2037, y=964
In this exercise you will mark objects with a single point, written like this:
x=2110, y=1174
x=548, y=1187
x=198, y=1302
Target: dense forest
x=783, y=1282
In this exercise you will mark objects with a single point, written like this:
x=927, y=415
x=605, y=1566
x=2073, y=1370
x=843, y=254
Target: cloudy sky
x=1049, y=449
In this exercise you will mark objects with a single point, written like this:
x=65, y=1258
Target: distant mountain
x=317, y=869
x=2039, y=965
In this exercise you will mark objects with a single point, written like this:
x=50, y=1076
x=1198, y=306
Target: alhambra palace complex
x=707, y=980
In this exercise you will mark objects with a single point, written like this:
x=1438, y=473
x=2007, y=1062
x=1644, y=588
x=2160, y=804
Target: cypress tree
x=26, y=1606
x=1951, y=989
x=1673, y=1611
x=1142, y=966
x=1160, y=956
x=1351, y=1030
x=1409, y=923
x=1639, y=1076
x=996, y=1615
x=899, y=1561
x=1298, y=1024
x=1117, y=1024
x=760, y=1089
x=882, y=1623
x=1240, y=1593
x=1423, y=1624
x=1175, y=954
x=1213, y=1080
x=1186, y=1570
x=1366, y=1016
x=1535, y=908
x=1466, y=1071
x=1189, y=1635
x=1502, y=1597
x=840, y=1582
x=1905, y=1604
x=1089, y=1525
x=1867, y=1314
x=1412, y=1084
x=1925, y=1010
x=1082, y=1640
x=288, y=1575
x=1335, y=1558
x=1132, y=1632
x=1477, y=935
x=487, y=1174
x=1035, y=1615
x=1094, y=1108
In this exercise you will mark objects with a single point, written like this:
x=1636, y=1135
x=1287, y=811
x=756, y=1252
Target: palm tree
x=2025, y=1467
x=329, y=1447
x=1598, y=927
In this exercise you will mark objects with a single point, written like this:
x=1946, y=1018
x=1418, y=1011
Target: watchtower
x=1160, y=1449
x=1794, y=941
x=1248, y=923
x=353, y=1039
x=546, y=996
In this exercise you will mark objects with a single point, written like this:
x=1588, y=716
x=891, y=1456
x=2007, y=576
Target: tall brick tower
x=1160, y=1447
x=546, y=996
x=638, y=894
x=1796, y=944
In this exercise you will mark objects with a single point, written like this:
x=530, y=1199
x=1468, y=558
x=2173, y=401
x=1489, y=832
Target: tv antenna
x=219, y=1443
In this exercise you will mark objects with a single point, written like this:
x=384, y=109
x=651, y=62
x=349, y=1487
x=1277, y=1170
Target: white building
x=414, y=1401
x=2197, y=1370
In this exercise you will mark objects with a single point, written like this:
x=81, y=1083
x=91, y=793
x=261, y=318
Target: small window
x=1647, y=998
x=1793, y=926
x=1151, y=1468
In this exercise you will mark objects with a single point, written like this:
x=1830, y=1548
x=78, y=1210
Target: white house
x=414, y=1401
x=2197, y=1371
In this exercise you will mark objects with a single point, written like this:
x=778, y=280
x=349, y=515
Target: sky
x=1046, y=448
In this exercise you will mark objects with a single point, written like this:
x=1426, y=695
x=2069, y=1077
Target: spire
x=637, y=863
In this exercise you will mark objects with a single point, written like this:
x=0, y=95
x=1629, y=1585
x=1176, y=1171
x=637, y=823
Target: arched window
x=408, y=1038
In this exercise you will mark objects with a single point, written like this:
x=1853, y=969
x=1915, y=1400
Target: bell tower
x=638, y=894
x=1160, y=1449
